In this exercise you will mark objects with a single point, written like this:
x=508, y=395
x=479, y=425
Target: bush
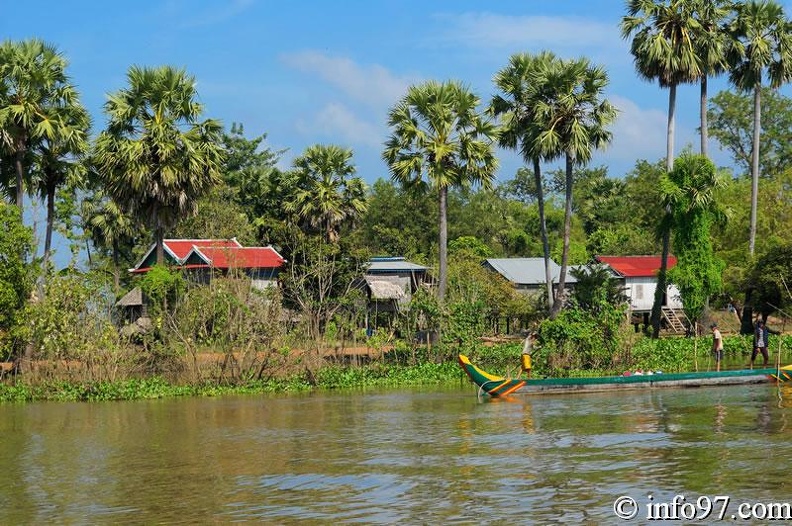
x=581, y=339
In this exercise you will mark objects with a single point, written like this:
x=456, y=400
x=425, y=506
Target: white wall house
x=639, y=275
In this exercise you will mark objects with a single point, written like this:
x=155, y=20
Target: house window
x=638, y=291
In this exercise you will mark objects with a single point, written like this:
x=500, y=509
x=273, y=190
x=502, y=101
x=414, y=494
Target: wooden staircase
x=676, y=320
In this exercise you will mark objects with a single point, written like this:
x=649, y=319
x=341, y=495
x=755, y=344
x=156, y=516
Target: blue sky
x=308, y=72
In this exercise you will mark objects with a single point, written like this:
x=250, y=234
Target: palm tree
x=573, y=122
x=325, y=193
x=712, y=42
x=764, y=48
x=156, y=158
x=58, y=160
x=109, y=228
x=663, y=48
x=689, y=191
x=522, y=85
x=35, y=100
x=440, y=140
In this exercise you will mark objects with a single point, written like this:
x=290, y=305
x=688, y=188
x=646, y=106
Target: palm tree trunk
x=559, y=300
x=670, y=129
x=19, y=178
x=662, y=283
x=116, y=271
x=443, y=279
x=50, y=223
x=755, y=165
x=704, y=125
x=543, y=230
x=159, y=241
x=666, y=241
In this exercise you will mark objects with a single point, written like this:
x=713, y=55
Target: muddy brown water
x=428, y=456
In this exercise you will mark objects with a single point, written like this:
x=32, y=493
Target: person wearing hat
x=717, y=345
x=761, y=334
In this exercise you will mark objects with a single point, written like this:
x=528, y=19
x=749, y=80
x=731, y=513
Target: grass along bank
x=401, y=367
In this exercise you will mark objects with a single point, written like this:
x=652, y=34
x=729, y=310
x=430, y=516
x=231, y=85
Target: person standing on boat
x=717, y=345
x=761, y=334
x=525, y=358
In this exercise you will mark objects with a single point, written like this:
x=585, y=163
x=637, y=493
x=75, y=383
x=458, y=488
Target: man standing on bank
x=717, y=345
x=761, y=334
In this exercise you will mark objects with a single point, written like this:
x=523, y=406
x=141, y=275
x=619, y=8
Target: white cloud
x=343, y=127
x=638, y=133
x=373, y=85
x=482, y=30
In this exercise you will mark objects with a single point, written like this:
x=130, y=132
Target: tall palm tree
x=663, y=37
x=440, y=140
x=326, y=194
x=573, y=122
x=522, y=84
x=58, y=159
x=712, y=42
x=35, y=92
x=156, y=158
x=764, y=49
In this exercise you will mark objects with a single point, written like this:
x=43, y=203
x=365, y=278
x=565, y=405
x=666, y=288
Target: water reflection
x=418, y=457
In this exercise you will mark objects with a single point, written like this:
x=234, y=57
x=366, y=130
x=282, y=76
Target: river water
x=438, y=456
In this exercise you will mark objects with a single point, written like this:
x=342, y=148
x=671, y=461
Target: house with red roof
x=639, y=276
x=204, y=257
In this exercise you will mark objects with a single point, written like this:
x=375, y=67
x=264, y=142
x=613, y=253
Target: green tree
x=259, y=187
x=471, y=247
x=764, y=49
x=773, y=219
x=326, y=196
x=219, y=216
x=320, y=279
x=663, y=36
x=109, y=229
x=58, y=160
x=156, y=158
x=16, y=268
x=37, y=102
x=771, y=279
x=439, y=140
x=732, y=120
x=523, y=85
x=596, y=287
x=397, y=222
x=689, y=192
x=573, y=123
x=484, y=214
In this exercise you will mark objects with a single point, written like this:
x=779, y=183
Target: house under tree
x=201, y=259
x=638, y=275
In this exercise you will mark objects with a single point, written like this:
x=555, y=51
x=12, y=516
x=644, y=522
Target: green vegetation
x=158, y=168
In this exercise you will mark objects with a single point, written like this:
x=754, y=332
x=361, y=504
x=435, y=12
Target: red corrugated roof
x=636, y=266
x=241, y=257
x=182, y=247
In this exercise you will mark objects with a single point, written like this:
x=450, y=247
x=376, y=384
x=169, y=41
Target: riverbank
x=215, y=374
x=328, y=378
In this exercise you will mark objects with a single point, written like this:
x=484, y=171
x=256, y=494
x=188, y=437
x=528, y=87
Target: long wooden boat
x=498, y=386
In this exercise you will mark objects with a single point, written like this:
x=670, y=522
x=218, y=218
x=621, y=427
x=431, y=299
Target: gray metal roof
x=394, y=264
x=527, y=271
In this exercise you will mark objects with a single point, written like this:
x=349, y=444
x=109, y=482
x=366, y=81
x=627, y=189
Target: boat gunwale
x=502, y=386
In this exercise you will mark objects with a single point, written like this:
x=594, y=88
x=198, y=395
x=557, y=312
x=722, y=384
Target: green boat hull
x=498, y=386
